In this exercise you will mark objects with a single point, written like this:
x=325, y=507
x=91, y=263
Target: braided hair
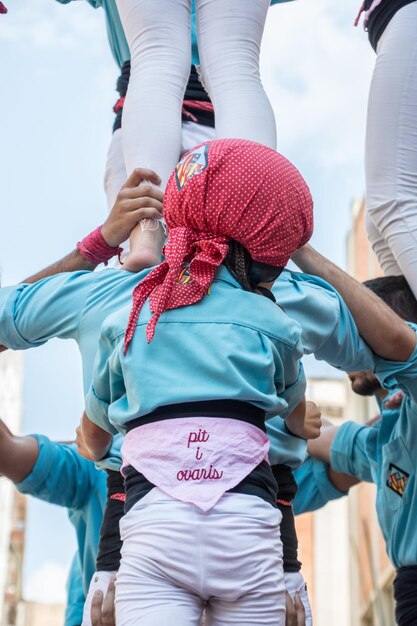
x=238, y=261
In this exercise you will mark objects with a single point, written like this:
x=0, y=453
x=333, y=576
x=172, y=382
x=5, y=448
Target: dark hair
x=238, y=261
x=396, y=293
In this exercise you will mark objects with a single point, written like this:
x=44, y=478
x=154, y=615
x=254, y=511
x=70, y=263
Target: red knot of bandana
x=223, y=190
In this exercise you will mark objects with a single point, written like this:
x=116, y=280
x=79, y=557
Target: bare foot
x=145, y=247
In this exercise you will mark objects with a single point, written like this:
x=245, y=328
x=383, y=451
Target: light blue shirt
x=386, y=455
x=231, y=345
x=315, y=489
x=61, y=476
x=74, y=306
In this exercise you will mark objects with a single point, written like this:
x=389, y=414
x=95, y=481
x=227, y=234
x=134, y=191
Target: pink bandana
x=223, y=190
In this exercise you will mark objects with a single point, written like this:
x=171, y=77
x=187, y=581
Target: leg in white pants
x=229, y=37
x=159, y=37
x=99, y=582
x=176, y=557
x=115, y=173
x=391, y=144
x=384, y=255
x=294, y=581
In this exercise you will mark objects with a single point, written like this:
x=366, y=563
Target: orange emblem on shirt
x=397, y=479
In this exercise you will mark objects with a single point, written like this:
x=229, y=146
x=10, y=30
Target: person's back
x=191, y=377
x=232, y=345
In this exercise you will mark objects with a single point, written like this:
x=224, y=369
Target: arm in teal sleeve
x=75, y=594
x=294, y=392
x=285, y=448
x=30, y=315
x=394, y=374
x=290, y=381
x=108, y=383
x=348, y=453
x=113, y=459
x=328, y=329
x=315, y=488
x=60, y=475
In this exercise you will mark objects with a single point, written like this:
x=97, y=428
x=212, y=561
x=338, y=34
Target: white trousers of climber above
x=159, y=37
x=391, y=148
x=176, y=558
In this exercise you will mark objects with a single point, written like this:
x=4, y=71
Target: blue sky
x=57, y=92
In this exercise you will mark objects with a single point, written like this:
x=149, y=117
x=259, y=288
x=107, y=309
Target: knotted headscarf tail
x=222, y=190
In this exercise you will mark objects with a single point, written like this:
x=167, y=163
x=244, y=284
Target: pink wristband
x=95, y=249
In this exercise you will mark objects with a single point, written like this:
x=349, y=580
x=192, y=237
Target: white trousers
x=159, y=37
x=391, y=148
x=294, y=581
x=115, y=173
x=178, y=560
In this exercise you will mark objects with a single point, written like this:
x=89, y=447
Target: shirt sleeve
x=328, y=329
x=75, y=594
x=107, y=385
x=348, y=453
x=94, y=3
x=113, y=459
x=294, y=391
x=60, y=475
x=394, y=374
x=315, y=489
x=30, y=315
x=285, y=448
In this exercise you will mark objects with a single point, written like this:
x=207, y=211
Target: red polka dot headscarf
x=223, y=190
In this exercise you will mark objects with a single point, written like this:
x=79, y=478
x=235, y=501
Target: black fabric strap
x=260, y=482
x=194, y=91
x=381, y=17
x=110, y=545
x=234, y=409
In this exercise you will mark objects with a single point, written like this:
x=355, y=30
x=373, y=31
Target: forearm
x=18, y=455
x=96, y=439
x=343, y=482
x=295, y=421
x=320, y=447
x=387, y=335
x=73, y=262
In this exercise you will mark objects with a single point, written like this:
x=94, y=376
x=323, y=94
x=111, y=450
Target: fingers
x=140, y=174
x=96, y=604
x=300, y=610
x=290, y=612
x=108, y=617
x=129, y=206
x=145, y=191
x=394, y=402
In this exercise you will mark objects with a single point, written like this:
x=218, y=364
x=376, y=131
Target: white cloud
x=49, y=26
x=47, y=584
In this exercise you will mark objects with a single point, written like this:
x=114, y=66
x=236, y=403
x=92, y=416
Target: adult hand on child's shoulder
x=309, y=427
x=312, y=421
x=139, y=198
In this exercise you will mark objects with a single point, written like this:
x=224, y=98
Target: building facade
x=13, y=506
